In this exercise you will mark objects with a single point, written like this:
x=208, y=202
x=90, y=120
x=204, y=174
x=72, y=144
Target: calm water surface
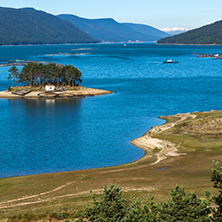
x=54, y=135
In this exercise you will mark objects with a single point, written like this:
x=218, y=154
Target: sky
x=188, y=14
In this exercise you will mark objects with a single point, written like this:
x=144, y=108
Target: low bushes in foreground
x=113, y=206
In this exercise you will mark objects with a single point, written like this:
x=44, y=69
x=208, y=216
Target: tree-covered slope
x=209, y=34
x=107, y=29
x=151, y=32
x=29, y=26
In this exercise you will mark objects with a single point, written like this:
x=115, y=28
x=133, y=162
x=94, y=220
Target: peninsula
x=178, y=152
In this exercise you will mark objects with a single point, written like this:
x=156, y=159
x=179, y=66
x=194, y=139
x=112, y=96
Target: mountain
x=209, y=34
x=108, y=30
x=29, y=26
x=147, y=30
x=174, y=31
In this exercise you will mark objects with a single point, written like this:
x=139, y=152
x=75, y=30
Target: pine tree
x=13, y=74
x=217, y=179
x=186, y=207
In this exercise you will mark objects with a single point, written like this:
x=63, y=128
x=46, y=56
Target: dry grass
x=43, y=194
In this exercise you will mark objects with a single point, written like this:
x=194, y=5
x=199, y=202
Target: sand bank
x=164, y=148
x=82, y=91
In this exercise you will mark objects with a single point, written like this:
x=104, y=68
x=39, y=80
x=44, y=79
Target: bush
x=185, y=207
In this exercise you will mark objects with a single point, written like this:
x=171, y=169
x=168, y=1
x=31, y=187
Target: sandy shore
x=165, y=148
x=83, y=91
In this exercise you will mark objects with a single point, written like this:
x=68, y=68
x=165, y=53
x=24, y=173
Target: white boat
x=170, y=61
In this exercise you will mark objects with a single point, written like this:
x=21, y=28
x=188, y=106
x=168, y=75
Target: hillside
x=149, y=31
x=209, y=34
x=108, y=30
x=29, y=26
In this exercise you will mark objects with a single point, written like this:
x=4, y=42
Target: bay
x=55, y=135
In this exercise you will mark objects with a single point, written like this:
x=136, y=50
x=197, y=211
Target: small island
x=39, y=80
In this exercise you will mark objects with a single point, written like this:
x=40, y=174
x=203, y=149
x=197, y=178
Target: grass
x=36, y=197
x=203, y=133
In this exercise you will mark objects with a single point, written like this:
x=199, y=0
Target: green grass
x=192, y=170
x=203, y=134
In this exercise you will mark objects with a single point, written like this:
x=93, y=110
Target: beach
x=165, y=148
x=81, y=91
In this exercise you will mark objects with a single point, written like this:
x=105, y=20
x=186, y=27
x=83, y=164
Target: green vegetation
x=209, y=34
x=217, y=179
x=202, y=134
x=29, y=26
x=107, y=29
x=36, y=197
x=34, y=74
x=113, y=206
x=13, y=73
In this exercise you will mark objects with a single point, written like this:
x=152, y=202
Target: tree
x=217, y=179
x=187, y=207
x=13, y=74
x=147, y=212
x=110, y=207
x=38, y=74
x=41, y=70
x=72, y=75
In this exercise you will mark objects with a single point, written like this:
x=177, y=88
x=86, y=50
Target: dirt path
x=11, y=204
x=146, y=142
x=166, y=148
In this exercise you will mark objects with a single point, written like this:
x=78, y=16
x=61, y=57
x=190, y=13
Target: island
x=77, y=91
x=47, y=80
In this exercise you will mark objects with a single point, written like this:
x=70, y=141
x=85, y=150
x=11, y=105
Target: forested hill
x=209, y=34
x=29, y=26
x=109, y=30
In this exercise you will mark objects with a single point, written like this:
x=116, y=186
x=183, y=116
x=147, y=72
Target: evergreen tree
x=217, y=179
x=13, y=74
x=34, y=74
x=110, y=207
x=187, y=207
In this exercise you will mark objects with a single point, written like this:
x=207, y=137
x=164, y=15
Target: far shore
x=79, y=91
x=188, y=44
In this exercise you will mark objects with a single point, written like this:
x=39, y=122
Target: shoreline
x=165, y=148
x=188, y=44
x=82, y=91
x=156, y=173
x=146, y=142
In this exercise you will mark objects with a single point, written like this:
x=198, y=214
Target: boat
x=170, y=61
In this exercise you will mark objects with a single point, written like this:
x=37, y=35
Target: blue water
x=54, y=135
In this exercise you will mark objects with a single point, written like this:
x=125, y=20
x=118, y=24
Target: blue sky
x=157, y=13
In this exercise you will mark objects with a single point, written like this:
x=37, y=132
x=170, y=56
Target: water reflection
x=38, y=134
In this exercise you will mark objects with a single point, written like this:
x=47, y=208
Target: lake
x=55, y=135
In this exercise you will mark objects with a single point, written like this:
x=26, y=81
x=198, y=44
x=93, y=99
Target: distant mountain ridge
x=174, y=31
x=208, y=34
x=109, y=30
x=29, y=26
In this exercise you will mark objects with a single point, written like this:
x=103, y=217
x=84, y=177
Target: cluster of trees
x=38, y=74
x=113, y=206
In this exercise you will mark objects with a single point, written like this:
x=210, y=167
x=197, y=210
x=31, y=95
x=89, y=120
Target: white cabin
x=49, y=88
